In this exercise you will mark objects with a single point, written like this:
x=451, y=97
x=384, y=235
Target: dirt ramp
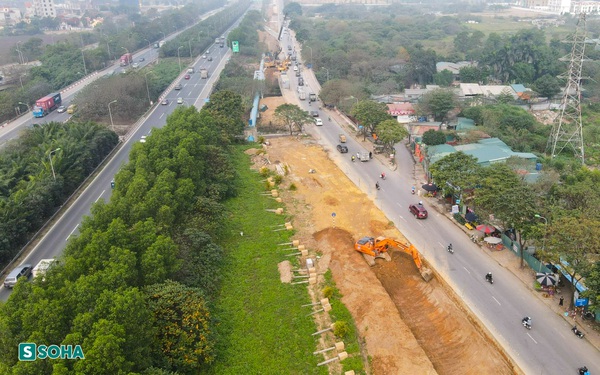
x=389, y=342
x=441, y=328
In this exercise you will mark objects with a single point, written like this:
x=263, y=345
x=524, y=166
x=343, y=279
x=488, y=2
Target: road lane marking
x=100, y=196
x=161, y=115
x=498, y=302
x=399, y=205
x=531, y=338
x=418, y=222
x=401, y=217
x=70, y=234
x=469, y=272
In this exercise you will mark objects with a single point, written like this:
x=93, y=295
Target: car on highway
x=178, y=86
x=314, y=113
x=24, y=270
x=318, y=122
x=61, y=109
x=165, y=102
x=187, y=76
x=298, y=74
x=203, y=56
x=141, y=59
x=295, y=68
x=418, y=211
x=342, y=149
x=143, y=139
x=135, y=65
x=180, y=100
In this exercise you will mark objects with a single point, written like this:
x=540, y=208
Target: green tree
x=292, y=8
x=443, y=78
x=369, y=114
x=184, y=328
x=434, y=137
x=471, y=74
x=547, y=86
x=439, y=103
x=390, y=132
x=573, y=239
x=294, y=117
x=457, y=169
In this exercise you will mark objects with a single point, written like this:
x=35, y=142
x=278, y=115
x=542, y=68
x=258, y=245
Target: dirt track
x=407, y=326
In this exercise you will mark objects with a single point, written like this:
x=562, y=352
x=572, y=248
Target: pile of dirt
x=407, y=326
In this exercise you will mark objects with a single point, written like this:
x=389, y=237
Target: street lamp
x=112, y=125
x=545, y=231
x=190, y=43
x=51, y=165
x=327, y=72
x=21, y=60
x=179, y=57
x=83, y=58
x=147, y=90
x=149, y=46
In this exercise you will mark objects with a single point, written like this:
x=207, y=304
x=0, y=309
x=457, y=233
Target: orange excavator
x=372, y=248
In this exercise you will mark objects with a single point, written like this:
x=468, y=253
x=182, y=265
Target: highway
x=549, y=347
x=194, y=92
x=12, y=129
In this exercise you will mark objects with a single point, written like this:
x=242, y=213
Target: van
x=22, y=270
x=71, y=109
x=190, y=70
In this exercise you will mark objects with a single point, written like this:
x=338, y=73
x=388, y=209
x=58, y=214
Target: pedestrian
x=561, y=301
x=370, y=155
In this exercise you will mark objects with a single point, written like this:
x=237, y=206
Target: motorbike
x=353, y=158
x=577, y=332
x=382, y=176
x=526, y=322
x=450, y=249
x=412, y=191
x=583, y=371
x=377, y=186
x=489, y=278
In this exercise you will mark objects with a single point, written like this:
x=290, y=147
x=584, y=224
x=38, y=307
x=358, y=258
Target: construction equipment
x=372, y=248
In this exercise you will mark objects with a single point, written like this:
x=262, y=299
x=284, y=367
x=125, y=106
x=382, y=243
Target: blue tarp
x=580, y=287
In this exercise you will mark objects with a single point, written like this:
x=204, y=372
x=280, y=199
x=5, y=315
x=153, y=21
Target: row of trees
x=134, y=289
x=569, y=206
x=64, y=63
x=39, y=171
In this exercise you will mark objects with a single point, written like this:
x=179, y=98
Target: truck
x=42, y=267
x=301, y=94
x=47, y=104
x=203, y=73
x=312, y=97
x=126, y=59
x=161, y=43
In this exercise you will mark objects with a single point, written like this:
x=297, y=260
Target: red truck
x=46, y=105
x=126, y=59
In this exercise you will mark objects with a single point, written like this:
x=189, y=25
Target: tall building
x=44, y=8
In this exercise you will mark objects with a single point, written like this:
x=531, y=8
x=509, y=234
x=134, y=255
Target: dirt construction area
x=406, y=325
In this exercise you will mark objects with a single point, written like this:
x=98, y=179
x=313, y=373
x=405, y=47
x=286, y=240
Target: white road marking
x=418, y=222
x=441, y=245
x=161, y=115
x=70, y=234
x=399, y=205
x=469, y=272
x=401, y=217
x=498, y=302
x=531, y=338
x=100, y=196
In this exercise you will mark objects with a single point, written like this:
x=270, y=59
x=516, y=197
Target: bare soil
x=407, y=326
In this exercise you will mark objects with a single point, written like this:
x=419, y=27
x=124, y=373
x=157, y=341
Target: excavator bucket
x=426, y=274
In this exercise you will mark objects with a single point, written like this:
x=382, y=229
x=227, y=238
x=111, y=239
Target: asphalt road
x=548, y=348
x=193, y=92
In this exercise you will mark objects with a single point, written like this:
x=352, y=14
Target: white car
x=203, y=56
x=135, y=65
x=318, y=122
x=180, y=100
x=295, y=68
x=143, y=139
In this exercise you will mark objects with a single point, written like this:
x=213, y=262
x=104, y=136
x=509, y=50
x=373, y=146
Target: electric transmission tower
x=567, y=130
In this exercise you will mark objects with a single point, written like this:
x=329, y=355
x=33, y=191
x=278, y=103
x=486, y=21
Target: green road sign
x=235, y=45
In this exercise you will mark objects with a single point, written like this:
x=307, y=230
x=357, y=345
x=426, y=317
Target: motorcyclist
x=377, y=185
x=450, y=247
x=412, y=190
x=583, y=371
x=382, y=175
x=420, y=204
x=526, y=321
x=353, y=157
x=489, y=276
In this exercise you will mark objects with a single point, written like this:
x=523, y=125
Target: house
x=403, y=112
x=453, y=68
x=470, y=90
x=417, y=93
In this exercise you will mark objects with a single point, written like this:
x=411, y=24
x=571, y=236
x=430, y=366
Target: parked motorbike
x=489, y=278
x=450, y=249
x=577, y=332
x=526, y=322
